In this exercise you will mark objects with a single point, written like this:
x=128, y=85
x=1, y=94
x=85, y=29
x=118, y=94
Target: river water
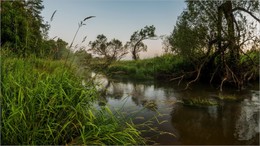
x=156, y=107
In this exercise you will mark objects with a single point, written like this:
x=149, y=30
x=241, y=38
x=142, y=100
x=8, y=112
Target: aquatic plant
x=199, y=102
x=227, y=97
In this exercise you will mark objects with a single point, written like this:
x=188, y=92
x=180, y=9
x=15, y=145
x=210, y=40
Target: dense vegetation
x=43, y=100
x=171, y=67
x=23, y=31
x=216, y=37
x=163, y=68
x=45, y=103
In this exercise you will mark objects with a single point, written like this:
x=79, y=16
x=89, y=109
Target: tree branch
x=243, y=9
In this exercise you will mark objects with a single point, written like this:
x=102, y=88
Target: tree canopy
x=214, y=34
x=112, y=50
x=22, y=26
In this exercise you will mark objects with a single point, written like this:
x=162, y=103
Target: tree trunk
x=233, y=48
x=219, y=36
x=134, y=54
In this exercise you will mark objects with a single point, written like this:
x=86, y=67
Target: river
x=170, y=122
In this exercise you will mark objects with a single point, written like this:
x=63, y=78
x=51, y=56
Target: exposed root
x=197, y=77
x=212, y=77
x=180, y=77
x=221, y=85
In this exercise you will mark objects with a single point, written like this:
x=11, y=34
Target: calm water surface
x=233, y=123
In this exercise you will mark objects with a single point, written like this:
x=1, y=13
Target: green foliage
x=250, y=56
x=23, y=30
x=214, y=35
x=40, y=107
x=186, y=40
x=44, y=103
x=198, y=29
x=108, y=128
x=155, y=68
x=21, y=26
x=82, y=57
x=250, y=64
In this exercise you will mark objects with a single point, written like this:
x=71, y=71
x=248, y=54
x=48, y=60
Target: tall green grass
x=45, y=103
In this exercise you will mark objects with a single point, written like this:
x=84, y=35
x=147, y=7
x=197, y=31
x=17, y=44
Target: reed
x=45, y=103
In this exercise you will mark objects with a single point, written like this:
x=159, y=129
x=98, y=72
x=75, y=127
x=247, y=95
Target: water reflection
x=232, y=123
x=247, y=125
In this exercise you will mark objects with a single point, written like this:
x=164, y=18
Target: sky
x=117, y=19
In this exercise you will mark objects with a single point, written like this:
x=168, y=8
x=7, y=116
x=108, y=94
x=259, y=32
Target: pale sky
x=114, y=18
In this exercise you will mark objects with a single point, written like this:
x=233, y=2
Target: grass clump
x=199, y=102
x=109, y=128
x=228, y=97
x=44, y=103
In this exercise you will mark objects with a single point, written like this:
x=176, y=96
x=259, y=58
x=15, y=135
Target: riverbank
x=162, y=68
x=44, y=102
x=170, y=67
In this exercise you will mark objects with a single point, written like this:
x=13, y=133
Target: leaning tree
x=136, y=45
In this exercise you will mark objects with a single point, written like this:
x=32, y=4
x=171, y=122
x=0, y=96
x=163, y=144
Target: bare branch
x=243, y=9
